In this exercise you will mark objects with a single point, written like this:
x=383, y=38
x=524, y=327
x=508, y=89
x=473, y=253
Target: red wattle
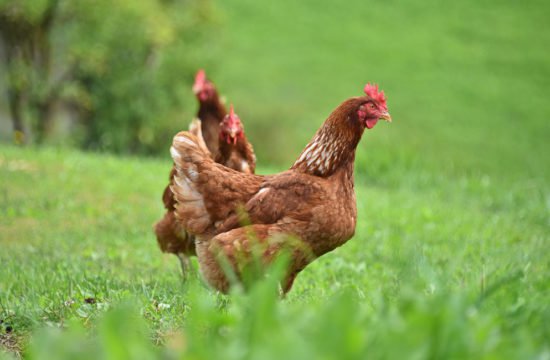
x=370, y=123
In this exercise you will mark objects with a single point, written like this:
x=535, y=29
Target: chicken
x=171, y=236
x=236, y=152
x=211, y=111
x=307, y=210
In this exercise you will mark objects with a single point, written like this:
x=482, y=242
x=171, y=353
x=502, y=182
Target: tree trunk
x=44, y=127
x=26, y=43
x=44, y=101
x=15, y=99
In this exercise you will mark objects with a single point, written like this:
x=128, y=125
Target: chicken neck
x=332, y=149
x=211, y=113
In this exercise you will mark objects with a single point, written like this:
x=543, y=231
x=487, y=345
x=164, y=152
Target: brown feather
x=314, y=201
x=239, y=156
x=170, y=233
x=211, y=113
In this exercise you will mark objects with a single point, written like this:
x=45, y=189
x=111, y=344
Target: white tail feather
x=195, y=128
x=174, y=153
x=184, y=140
x=188, y=155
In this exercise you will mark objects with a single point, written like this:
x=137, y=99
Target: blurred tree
x=24, y=29
x=121, y=67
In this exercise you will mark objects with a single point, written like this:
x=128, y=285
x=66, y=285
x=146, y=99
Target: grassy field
x=440, y=267
x=450, y=258
x=467, y=82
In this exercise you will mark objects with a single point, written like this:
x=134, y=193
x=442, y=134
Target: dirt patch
x=10, y=344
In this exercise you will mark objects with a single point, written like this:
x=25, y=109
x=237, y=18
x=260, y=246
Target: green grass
x=450, y=258
x=439, y=267
x=467, y=83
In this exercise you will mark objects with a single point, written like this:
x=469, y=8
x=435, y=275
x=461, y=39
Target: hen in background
x=211, y=111
x=308, y=210
x=235, y=152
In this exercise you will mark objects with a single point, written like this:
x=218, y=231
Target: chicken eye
x=371, y=106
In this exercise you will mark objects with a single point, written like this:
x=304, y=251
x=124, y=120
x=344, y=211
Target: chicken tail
x=186, y=149
x=195, y=128
x=189, y=157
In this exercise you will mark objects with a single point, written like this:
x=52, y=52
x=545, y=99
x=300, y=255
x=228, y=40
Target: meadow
x=450, y=258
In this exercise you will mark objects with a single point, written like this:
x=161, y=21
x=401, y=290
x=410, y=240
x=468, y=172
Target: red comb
x=232, y=118
x=200, y=79
x=373, y=93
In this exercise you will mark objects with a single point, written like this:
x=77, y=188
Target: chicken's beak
x=385, y=116
x=231, y=136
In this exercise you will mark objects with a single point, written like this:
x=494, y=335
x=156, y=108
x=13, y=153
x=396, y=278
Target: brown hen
x=232, y=213
x=235, y=152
